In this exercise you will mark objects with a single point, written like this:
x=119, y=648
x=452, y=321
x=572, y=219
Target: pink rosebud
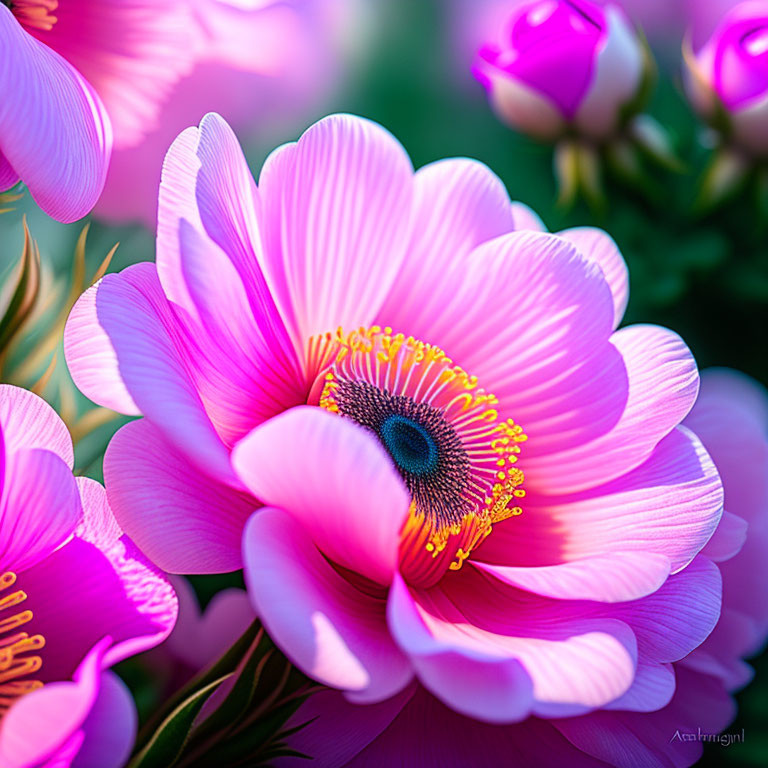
x=561, y=64
x=727, y=78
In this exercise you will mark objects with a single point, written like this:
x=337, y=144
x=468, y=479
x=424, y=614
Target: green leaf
x=167, y=743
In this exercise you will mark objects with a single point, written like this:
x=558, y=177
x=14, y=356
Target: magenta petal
x=40, y=508
x=110, y=728
x=728, y=539
x=184, y=520
x=80, y=594
x=41, y=723
x=54, y=130
x=318, y=467
x=8, y=177
x=98, y=525
x=29, y=422
x=334, y=632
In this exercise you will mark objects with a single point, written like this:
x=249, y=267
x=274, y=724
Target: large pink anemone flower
x=412, y=728
x=76, y=597
x=333, y=369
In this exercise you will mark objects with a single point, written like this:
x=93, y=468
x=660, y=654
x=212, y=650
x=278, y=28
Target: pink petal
x=493, y=641
x=526, y=218
x=652, y=688
x=8, y=177
x=80, y=594
x=334, y=632
x=27, y=421
x=131, y=51
x=53, y=127
x=668, y=506
x=336, y=213
x=318, y=467
x=548, y=358
x=39, y=510
x=98, y=525
x=477, y=682
x=199, y=638
x=43, y=721
x=728, y=539
x=612, y=577
x=458, y=204
x=110, y=728
x=660, y=388
x=598, y=246
x=183, y=519
x=133, y=312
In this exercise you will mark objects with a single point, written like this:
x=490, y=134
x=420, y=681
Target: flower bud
x=563, y=65
x=727, y=79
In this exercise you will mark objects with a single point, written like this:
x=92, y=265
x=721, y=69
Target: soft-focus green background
x=705, y=277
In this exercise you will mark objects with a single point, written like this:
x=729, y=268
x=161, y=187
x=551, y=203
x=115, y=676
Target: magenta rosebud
x=563, y=64
x=727, y=78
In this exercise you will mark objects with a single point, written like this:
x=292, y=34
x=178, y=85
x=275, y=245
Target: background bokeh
x=706, y=277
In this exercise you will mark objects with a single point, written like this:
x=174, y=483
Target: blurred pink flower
x=75, y=72
x=391, y=542
x=562, y=64
x=731, y=418
x=76, y=597
x=727, y=78
x=258, y=63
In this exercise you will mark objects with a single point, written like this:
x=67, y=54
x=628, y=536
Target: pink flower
x=391, y=542
x=258, y=63
x=562, y=63
x=76, y=597
x=731, y=417
x=76, y=71
x=727, y=79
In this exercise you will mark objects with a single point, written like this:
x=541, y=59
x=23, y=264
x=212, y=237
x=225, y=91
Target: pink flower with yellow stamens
x=76, y=597
x=418, y=429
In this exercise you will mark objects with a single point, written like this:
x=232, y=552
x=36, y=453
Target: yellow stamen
x=16, y=659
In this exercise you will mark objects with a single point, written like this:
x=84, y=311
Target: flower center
x=16, y=648
x=34, y=14
x=444, y=437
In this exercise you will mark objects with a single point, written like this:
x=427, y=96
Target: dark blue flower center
x=412, y=448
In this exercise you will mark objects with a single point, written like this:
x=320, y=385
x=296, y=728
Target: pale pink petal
x=98, y=525
x=184, y=520
x=39, y=724
x=458, y=205
x=54, y=131
x=27, y=421
x=201, y=637
x=332, y=631
x=598, y=246
x=91, y=357
x=131, y=309
x=612, y=577
x=335, y=480
x=337, y=208
x=531, y=318
x=652, y=688
x=131, y=51
x=39, y=510
x=110, y=728
x=660, y=388
x=489, y=638
x=669, y=506
x=526, y=218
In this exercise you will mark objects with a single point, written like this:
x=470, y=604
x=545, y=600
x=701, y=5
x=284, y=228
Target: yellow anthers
x=16, y=661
